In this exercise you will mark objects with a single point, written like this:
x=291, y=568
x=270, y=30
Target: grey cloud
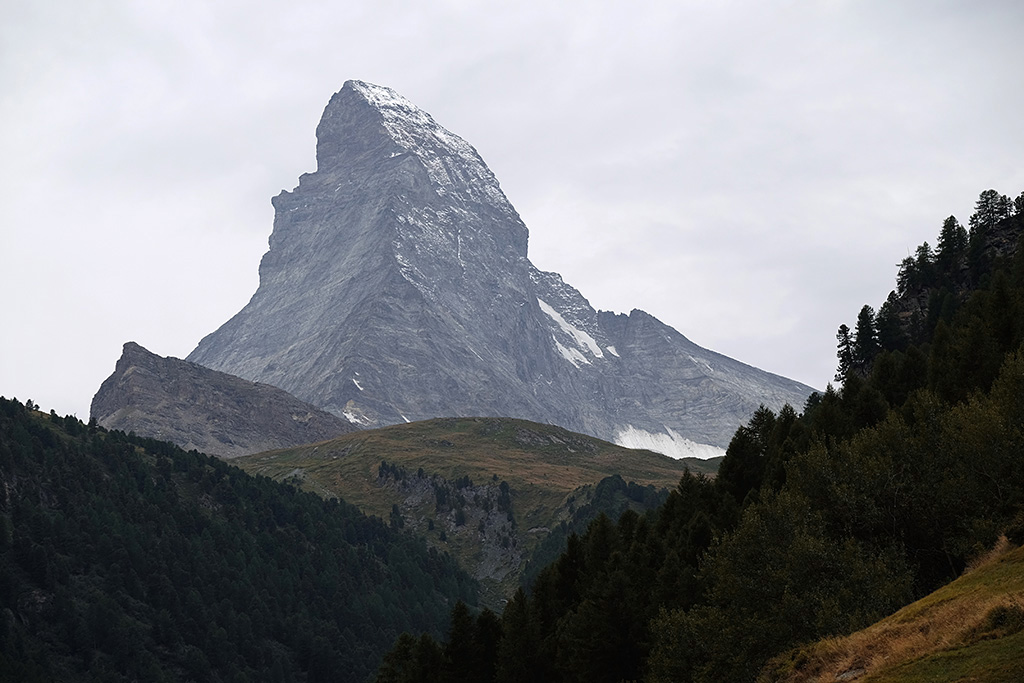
x=748, y=172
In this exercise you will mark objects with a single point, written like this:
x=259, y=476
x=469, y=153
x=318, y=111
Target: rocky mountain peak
x=397, y=287
x=375, y=122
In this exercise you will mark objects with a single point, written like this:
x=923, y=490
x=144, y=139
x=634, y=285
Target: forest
x=820, y=522
x=128, y=559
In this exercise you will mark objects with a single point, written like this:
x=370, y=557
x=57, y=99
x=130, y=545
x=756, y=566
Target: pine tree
x=891, y=336
x=865, y=339
x=925, y=261
x=460, y=657
x=845, y=352
x=952, y=244
x=990, y=208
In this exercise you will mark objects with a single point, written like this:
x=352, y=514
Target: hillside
x=124, y=558
x=819, y=522
x=969, y=630
x=488, y=490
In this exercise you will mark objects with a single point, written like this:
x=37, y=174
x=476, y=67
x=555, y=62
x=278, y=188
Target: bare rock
x=397, y=288
x=212, y=412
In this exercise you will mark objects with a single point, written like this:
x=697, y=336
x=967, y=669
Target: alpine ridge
x=213, y=412
x=397, y=288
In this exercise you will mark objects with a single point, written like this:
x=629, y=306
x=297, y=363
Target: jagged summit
x=386, y=249
x=397, y=287
x=453, y=166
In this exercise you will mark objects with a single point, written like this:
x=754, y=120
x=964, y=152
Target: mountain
x=210, y=411
x=397, y=288
x=494, y=492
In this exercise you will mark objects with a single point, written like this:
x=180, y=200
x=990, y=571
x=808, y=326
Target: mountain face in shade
x=397, y=288
x=210, y=411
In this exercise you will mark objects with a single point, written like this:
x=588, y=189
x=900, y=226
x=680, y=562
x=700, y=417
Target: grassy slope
x=969, y=630
x=544, y=466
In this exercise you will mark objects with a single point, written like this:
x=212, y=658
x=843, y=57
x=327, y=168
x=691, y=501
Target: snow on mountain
x=401, y=262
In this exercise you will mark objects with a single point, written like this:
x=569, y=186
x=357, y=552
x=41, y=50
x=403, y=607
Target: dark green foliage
x=393, y=471
x=952, y=246
x=757, y=455
x=588, y=614
x=865, y=339
x=611, y=497
x=781, y=578
x=890, y=333
x=124, y=558
x=469, y=655
x=822, y=522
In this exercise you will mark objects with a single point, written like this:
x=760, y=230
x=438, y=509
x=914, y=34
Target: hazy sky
x=749, y=172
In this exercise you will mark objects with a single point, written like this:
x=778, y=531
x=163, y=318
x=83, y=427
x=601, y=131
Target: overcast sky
x=749, y=172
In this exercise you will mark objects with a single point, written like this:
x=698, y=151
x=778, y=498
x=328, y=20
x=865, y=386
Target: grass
x=969, y=630
x=540, y=462
x=546, y=468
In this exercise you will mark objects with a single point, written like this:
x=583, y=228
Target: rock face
x=397, y=288
x=210, y=411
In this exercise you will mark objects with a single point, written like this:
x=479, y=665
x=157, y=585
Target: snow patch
x=611, y=350
x=358, y=385
x=417, y=132
x=354, y=417
x=698, y=361
x=571, y=355
x=582, y=339
x=669, y=443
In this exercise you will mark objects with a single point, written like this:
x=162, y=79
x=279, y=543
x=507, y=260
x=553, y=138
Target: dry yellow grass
x=955, y=616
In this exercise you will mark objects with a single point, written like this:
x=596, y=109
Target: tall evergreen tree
x=888, y=327
x=865, y=339
x=907, y=277
x=990, y=208
x=844, y=352
x=952, y=244
x=924, y=259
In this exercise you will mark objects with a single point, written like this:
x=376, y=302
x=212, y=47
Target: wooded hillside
x=820, y=522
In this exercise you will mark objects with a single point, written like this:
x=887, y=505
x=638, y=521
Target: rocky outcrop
x=397, y=288
x=953, y=280
x=212, y=412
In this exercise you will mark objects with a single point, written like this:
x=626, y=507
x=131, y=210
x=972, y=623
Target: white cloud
x=749, y=173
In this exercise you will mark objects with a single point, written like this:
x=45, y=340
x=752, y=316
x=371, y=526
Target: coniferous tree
x=924, y=259
x=952, y=244
x=823, y=521
x=519, y=653
x=865, y=339
x=990, y=208
x=460, y=658
x=844, y=352
x=907, y=278
x=889, y=329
